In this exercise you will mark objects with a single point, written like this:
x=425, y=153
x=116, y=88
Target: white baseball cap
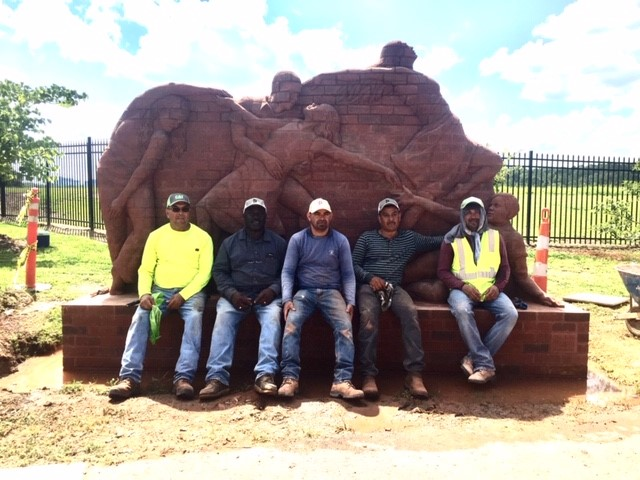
x=319, y=204
x=254, y=201
x=470, y=200
x=386, y=202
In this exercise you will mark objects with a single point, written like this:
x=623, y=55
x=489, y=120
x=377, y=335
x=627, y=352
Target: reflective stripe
x=540, y=269
x=543, y=242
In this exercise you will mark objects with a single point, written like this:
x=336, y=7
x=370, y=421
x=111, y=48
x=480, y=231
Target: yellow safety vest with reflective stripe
x=482, y=275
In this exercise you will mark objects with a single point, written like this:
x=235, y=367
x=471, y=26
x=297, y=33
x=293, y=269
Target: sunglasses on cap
x=177, y=209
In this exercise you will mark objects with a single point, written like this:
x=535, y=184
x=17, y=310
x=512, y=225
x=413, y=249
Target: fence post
x=528, y=234
x=91, y=206
x=47, y=202
x=3, y=200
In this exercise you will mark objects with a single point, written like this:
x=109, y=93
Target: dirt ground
x=78, y=423
x=590, y=424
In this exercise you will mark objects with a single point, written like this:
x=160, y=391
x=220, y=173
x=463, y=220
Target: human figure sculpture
x=389, y=118
x=502, y=208
x=282, y=102
x=296, y=142
x=127, y=197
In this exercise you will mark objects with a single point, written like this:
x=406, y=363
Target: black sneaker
x=265, y=385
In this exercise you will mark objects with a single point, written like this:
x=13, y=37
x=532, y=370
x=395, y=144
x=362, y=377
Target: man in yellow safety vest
x=473, y=264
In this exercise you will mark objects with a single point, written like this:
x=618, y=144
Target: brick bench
x=545, y=341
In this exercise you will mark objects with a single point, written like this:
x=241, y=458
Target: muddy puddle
x=46, y=373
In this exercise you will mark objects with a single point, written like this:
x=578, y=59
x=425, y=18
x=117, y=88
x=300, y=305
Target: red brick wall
x=545, y=341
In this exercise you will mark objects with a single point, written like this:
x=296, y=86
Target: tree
x=25, y=152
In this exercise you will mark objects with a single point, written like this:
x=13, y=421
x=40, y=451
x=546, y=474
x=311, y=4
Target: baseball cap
x=319, y=204
x=386, y=202
x=469, y=201
x=177, y=198
x=254, y=201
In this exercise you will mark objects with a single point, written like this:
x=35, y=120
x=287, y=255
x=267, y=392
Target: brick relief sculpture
x=352, y=137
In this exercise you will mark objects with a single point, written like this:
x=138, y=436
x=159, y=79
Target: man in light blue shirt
x=319, y=263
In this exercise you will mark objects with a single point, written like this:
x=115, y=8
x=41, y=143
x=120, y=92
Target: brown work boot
x=213, y=389
x=414, y=384
x=345, y=390
x=370, y=388
x=183, y=389
x=125, y=388
x=289, y=387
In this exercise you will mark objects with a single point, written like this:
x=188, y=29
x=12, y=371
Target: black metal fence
x=576, y=190
x=573, y=188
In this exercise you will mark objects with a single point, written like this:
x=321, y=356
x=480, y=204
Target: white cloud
x=588, y=53
x=436, y=60
x=585, y=131
x=580, y=68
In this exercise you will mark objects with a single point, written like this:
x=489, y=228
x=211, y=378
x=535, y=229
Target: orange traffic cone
x=539, y=275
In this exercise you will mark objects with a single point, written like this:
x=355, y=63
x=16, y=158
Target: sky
x=558, y=77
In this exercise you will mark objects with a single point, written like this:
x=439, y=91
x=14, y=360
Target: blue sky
x=553, y=76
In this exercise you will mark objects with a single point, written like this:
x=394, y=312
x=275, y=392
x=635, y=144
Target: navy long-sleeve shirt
x=249, y=266
x=318, y=262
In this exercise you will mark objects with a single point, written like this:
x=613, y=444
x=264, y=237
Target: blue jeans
x=482, y=350
x=135, y=347
x=223, y=339
x=404, y=309
x=334, y=311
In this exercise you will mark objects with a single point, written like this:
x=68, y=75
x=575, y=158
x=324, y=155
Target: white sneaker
x=483, y=375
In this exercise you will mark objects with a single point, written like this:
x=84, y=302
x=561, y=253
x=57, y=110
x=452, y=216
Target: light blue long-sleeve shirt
x=318, y=262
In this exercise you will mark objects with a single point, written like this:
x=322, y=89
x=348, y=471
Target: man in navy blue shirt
x=318, y=262
x=247, y=274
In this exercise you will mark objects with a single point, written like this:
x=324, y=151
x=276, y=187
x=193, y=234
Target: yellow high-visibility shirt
x=176, y=259
x=482, y=275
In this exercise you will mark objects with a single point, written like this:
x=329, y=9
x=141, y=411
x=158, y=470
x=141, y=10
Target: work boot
x=483, y=375
x=370, y=388
x=467, y=365
x=289, y=387
x=183, y=389
x=414, y=384
x=265, y=385
x=345, y=390
x=125, y=388
x=213, y=389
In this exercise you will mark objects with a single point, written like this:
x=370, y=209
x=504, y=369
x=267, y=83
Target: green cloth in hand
x=155, y=316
